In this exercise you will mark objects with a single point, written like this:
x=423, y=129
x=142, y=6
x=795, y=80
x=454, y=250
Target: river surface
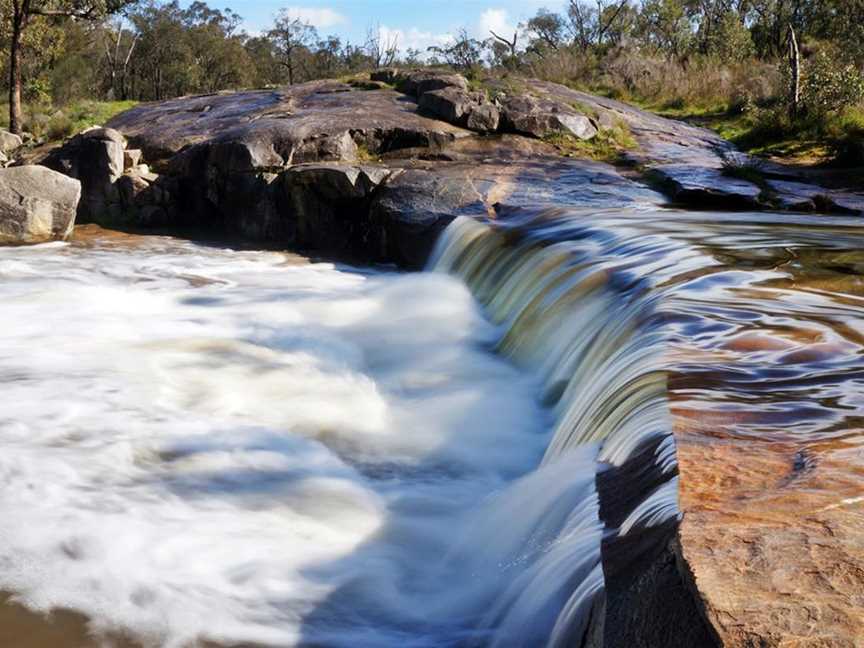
x=245, y=446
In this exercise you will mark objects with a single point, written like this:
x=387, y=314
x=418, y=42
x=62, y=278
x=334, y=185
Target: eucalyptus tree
x=293, y=39
x=23, y=12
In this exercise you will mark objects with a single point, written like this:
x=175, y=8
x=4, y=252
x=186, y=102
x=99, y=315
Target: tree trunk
x=16, y=122
x=795, y=75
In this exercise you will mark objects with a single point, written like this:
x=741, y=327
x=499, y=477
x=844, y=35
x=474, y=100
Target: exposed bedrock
x=330, y=167
x=397, y=164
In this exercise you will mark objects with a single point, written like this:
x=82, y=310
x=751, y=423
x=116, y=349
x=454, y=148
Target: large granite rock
x=305, y=123
x=415, y=206
x=529, y=115
x=9, y=142
x=36, y=204
x=96, y=158
x=468, y=109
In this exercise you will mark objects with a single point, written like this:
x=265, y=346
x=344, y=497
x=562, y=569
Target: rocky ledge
x=374, y=168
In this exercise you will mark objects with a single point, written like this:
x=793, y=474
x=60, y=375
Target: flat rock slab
x=294, y=125
x=708, y=187
x=660, y=140
x=801, y=196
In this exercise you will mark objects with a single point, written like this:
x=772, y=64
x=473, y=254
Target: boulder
x=423, y=81
x=385, y=75
x=9, y=142
x=467, y=109
x=36, y=204
x=483, y=118
x=96, y=158
x=131, y=158
x=528, y=115
x=414, y=206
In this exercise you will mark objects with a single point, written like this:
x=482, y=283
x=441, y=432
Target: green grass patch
x=366, y=155
x=606, y=146
x=767, y=133
x=54, y=124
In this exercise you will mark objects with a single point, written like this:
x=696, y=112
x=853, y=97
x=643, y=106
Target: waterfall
x=608, y=480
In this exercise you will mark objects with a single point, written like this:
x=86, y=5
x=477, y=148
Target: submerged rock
x=36, y=204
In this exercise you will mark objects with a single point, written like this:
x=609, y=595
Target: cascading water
x=237, y=448
x=244, y=448
x=591, y=337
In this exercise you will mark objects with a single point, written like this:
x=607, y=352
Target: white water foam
x=208, y=443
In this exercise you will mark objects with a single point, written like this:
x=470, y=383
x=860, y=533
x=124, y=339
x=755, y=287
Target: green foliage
x=81, y=115
x=464, y=53
x=829, y=87
x=606, y=146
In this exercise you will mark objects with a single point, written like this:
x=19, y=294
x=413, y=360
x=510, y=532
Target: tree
x=119, y=46
x=292, y=37
x=23, y=12
x=592, y=23
x=381, y=47
x=464, y=53
x=548, y=30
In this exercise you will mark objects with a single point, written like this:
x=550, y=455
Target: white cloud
x=413, y=38
x=322, y=17
x=497, y=20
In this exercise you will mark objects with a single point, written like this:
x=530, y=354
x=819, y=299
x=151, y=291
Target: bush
x=829, y=87
x=59, y=126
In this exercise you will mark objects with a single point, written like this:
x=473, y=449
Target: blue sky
x=416, y=23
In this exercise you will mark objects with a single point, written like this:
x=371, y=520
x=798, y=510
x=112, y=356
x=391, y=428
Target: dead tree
x=118, y=63
x=511, y=44
x=794, y=75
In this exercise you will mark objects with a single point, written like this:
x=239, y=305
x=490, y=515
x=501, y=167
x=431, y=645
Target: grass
x=759, y=133
x=55, y=124
x=365, y=155
x=606, y=146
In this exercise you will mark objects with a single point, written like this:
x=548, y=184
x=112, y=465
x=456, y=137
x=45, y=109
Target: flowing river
x=234, y=446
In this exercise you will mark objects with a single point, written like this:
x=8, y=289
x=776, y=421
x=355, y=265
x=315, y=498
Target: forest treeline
x=730, y=55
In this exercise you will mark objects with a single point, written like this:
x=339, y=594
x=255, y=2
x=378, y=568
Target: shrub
x=59, y=126
x=829, y=86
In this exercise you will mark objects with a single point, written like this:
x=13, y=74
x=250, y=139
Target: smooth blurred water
x=230, y=444
x=242, y=446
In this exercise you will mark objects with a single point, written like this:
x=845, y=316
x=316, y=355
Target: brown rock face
x=36, y=205
x=777, y=554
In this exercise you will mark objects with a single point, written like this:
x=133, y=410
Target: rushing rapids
x=591, y=336
x=244, y=447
